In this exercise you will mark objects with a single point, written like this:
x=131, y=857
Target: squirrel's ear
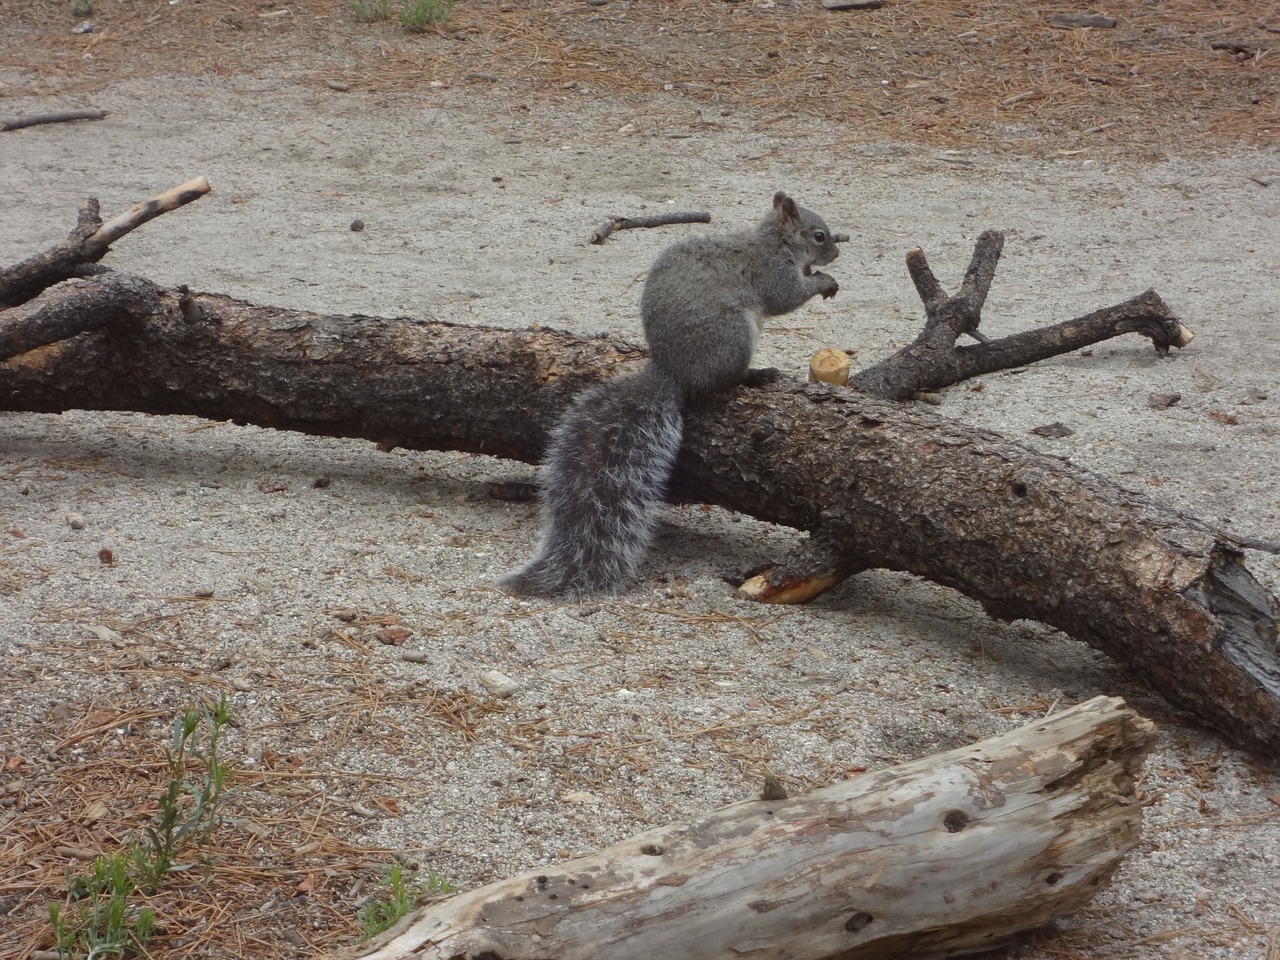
x=784, y=203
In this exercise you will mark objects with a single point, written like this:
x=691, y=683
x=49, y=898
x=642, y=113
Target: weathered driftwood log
x=947, y=855
x=876, y=484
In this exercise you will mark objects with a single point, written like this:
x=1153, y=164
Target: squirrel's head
x=809, y=230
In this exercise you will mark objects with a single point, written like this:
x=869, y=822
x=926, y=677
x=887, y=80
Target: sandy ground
x=671, y=700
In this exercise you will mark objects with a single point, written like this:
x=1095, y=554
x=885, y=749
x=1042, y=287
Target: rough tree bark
x=880, y=866
x=875, y=484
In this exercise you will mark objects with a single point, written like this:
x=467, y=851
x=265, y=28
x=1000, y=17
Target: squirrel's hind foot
x=535, y=579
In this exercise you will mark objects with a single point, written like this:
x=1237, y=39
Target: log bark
x=876, y=484
x=947, y=855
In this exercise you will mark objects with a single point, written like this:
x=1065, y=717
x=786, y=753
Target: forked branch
x=88, y=243
x=934, y=359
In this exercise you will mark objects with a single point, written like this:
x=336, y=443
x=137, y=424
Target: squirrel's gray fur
x=610, y=458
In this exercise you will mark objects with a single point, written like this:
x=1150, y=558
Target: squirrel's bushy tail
x=604, y=478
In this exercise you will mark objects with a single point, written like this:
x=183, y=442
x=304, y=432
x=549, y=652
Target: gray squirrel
x=612, y=454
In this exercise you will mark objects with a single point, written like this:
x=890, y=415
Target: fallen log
x=877, y=484
x=947, y=855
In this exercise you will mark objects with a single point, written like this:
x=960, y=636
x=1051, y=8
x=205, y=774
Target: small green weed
x=111, y=924
x=399, y=897
x=82, y=8
x=190, y=810
x=419, y=15
x=367, y=11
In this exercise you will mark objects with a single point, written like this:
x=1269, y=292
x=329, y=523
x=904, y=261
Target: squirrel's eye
x=819, y=236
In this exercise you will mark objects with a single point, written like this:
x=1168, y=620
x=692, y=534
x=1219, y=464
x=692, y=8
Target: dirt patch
x=479, y=159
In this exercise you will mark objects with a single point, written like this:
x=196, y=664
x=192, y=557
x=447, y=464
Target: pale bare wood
x=88, y=243
x=946, y=855
x=830, y=365
x=140, y=213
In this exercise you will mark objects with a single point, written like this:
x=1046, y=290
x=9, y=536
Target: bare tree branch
x=88, y=243
x=934, y=360
x=878, y=485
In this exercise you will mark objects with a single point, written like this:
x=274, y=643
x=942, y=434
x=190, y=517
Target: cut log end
x=830, y=365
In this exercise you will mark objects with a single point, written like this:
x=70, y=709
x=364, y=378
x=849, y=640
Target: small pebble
x=773, y=788
x=499, y=684
x=1055, y=429
x=105, y=634
x=413, y=656
x=357, y=225
x=244, y=686
x=75, y=521
x=393, y=636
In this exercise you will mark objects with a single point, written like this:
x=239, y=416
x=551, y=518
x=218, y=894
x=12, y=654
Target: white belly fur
x=755, y=325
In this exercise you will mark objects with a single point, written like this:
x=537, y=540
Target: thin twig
x=65, y=116
x=601, y=233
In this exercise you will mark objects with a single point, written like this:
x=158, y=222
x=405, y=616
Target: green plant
x=190, y=809
x=419, y=15
x=82, y=8
x=366, y=11
x=110, y=924
x=398, y=897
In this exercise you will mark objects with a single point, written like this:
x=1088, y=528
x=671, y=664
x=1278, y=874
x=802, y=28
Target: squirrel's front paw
x=827, y=285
